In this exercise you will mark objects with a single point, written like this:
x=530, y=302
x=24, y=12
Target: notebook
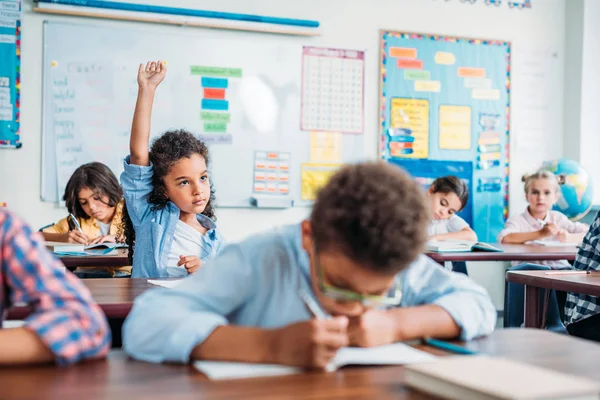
x=392, y=354
x=554, y=243
x=63, y=248
x=486, y=378
x=458, y=246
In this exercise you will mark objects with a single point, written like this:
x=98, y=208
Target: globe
x=576, y=188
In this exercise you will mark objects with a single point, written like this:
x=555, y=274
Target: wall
x=582, y=88
x=346, y=23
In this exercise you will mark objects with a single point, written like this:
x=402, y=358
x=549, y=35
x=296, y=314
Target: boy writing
x=358, y=258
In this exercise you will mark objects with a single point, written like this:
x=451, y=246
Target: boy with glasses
x=355, y=265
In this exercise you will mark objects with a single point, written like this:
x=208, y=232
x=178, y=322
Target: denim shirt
x=154, y=229
x=256, y=283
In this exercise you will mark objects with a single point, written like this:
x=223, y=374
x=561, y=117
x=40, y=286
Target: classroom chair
x=514, y=303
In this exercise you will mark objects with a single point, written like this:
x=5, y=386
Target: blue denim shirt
x=256, y=283
x=154, y=229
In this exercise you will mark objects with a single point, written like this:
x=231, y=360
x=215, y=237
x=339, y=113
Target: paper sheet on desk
x=392, y=354
x=168, y=284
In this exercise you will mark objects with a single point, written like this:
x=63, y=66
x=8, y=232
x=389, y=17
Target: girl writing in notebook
x=539, y=221
x=94, y=197
x=447, y=196
x=168, y=193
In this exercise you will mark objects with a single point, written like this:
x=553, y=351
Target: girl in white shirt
x=448, y=195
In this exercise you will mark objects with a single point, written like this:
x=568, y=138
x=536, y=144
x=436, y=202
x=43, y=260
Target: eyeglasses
x=344, y=295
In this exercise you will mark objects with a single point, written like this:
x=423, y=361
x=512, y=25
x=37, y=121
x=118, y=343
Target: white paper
x=554, y=243
x=168, y=284
x=392, y=354
x=231, y=370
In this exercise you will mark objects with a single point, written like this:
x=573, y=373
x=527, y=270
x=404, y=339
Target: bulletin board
x=10, y=73
x=444, y=110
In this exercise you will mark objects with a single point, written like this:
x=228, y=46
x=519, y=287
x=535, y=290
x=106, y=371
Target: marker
x=440, y=344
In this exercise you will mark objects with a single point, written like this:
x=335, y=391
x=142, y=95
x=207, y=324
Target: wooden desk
x=115, y=296
x=535, y=281
x=117, y=260
x=122, y=378
x=512, y=252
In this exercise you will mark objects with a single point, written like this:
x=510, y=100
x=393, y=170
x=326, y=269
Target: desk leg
x=533, y=307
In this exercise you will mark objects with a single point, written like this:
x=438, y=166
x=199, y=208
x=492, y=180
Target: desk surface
x=117, y=260
x=119, y=377
x=578, y=283
x=114, y=295
x=512, y=252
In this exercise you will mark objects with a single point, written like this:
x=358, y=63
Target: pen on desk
x=568, y=272
x=312, y=306
x=452, y=348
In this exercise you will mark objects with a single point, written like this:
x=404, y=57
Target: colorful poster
x=215, y=112
x=315, y=176
x=455, y=127
x=333, y=90
x=446, y=99
x=10, y=73
x=326, y=146
x=409, y=128
x=271, y=173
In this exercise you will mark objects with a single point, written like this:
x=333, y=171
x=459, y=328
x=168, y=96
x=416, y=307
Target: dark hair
x=99, y=179
x=165, y=151
x=452, y=184
x=374, y=213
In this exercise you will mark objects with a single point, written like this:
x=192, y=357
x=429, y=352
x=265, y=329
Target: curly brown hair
x=99, y=179
x=374, y=213
x=165, y=151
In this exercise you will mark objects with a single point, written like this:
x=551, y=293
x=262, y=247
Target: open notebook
x=392, y=354
x=459, y=246
x=62, y=248
x=488, y=378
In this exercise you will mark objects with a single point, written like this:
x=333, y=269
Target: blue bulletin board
x=10, y=76
x=444, y=110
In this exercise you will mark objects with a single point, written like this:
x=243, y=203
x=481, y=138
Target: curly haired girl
x=168, y=193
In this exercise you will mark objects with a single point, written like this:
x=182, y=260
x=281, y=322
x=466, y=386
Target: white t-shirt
x=187, y=241
x=441, y=226
x=104, y=228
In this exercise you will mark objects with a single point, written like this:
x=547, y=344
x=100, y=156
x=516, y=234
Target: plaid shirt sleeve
x=581, y=306
x=64, y=316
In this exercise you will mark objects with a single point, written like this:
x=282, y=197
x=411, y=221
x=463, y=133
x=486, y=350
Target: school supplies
x=73, y=223
x=392, y=354
x=452, y=348
x=571, y=272
x=554, y=243
x=487, y=378
x=164, y=283
x=459, y=246
x=72, y=249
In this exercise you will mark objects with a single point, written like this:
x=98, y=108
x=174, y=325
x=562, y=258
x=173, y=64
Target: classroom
x=318, y=199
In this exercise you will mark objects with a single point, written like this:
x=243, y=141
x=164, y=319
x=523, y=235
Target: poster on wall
x=444, y=110
x=10, y=74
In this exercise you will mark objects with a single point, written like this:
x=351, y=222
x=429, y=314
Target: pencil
x=568, y=272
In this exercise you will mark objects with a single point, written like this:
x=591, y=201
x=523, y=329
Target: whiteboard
x=90, y=88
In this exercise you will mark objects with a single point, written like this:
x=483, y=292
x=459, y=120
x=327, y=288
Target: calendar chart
x=332, y=90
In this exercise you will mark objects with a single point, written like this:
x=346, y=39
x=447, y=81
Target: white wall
x=582, y=88
x=346, y=23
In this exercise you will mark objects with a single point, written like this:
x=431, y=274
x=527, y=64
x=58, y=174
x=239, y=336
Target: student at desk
x=65, y=325
x=94, y=197
x=539, y=221
x=358, y=258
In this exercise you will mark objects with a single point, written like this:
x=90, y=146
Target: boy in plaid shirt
x=65, y=325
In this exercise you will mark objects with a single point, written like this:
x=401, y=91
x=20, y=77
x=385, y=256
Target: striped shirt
x=64, y=315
